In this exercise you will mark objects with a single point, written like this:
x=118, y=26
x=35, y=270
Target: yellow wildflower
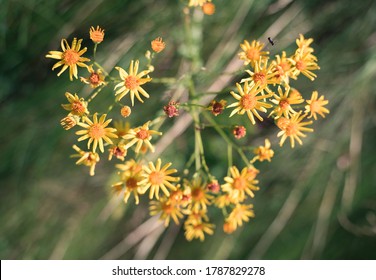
x=240, y=184
x=283, y=103
x=248, y=101
x=252, y=52
x=196, y=3
x=77, y=106
x=140, y=135
x=158, y=45
x=304, y=63
x=95, y=79
x=263, y=152
x=316, y=106
x=196, y=230
x=200, y=197
x=69, y=57
x=262, y=75
x=96, y=35
x=86, y=158
x=241, y=213
x=293, y=129
x=157, y=178
x=96, y=131
x=167, y=210
x=132, y=82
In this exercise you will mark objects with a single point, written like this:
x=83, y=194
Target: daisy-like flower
x=157, y=177
x=197, y=230
x=77, y=106
x=284, y=102
x=86, y=158
x=69, y=57
x=263, y=152
x=95, y=79
x=303, y=44
x=130, y=176
x=217, y=107
x=96, y=131
x=252, y=52
x=224, y=200
x=262, y=75
x=158, y=45
x=96, y=35
x=196, y=3
x=140, y=135
x=132, y=82
x=282, y=68
x=293, y=128
x=241, y=213
x=304, y=63
x=240, y=184
x=316, y=106
x=248, y=101
x=200, y=198
x=166, y=210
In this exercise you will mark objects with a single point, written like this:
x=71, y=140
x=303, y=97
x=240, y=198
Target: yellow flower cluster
x=255, y=94
x=265, y=91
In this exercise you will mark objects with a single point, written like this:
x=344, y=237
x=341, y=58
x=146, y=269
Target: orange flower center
x=96, y=131
x=228, y=227
x=131, y=82
x=248, y=102
x=284, y=104
x=78, y=108
x=70, y=57
x=260, y=77
x=284, y=66
x=240, y=183
x=156, y=178
x=253, y=54
x=292, y=129
x=282, y=123
x=142, y=134
x=315, y=106
x=301, y=65
x=198, y=194
x=131, y=183
x=94, y=78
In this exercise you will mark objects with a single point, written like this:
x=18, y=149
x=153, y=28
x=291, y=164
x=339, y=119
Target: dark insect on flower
x=270, y=41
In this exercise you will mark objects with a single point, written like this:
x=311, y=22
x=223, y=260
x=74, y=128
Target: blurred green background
x=317, y=201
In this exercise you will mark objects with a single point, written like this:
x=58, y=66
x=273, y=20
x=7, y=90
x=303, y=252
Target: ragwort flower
x=283, y=103
x=69, y=57
x=140, y=135
x=86, y=158
x=167, y=210
x=248, y=101
x=293, y=128
x=316, y=106
x=96, y=35
x=77, y=106
x=263, y=152
x=252, y=52
x=132, y=82
x=96, y=131
x=197, y=229
x=95, y=79
x=241, y=213
x=157, y=177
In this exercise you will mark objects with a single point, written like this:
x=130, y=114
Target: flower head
x=157, y=177
x=130, y=175
x=196, y=3
x=158, y=45
x=197, y=229
x=96, y=35
x=284, y=102
x=118, y=151
x=95, y=79
x=252, y=52
x=248, y=101
x=241, y=213
x=69, y=121
x=96, y=131
x=132, y=82
x=263, y=152
x=200, y=198
x=86, y=158
x=217, y=107
x=304, y=63
x=166, y=209
x=125, y=111
x=140, y=135
x=239, y=131
x=69, y=57
x=303, y=44
x=316, y=106
x=240, y=184
x=208, y=8
x=293, y=128
x=77, y=106
x=171, y=109
x=282, y=68
x=262, y=75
